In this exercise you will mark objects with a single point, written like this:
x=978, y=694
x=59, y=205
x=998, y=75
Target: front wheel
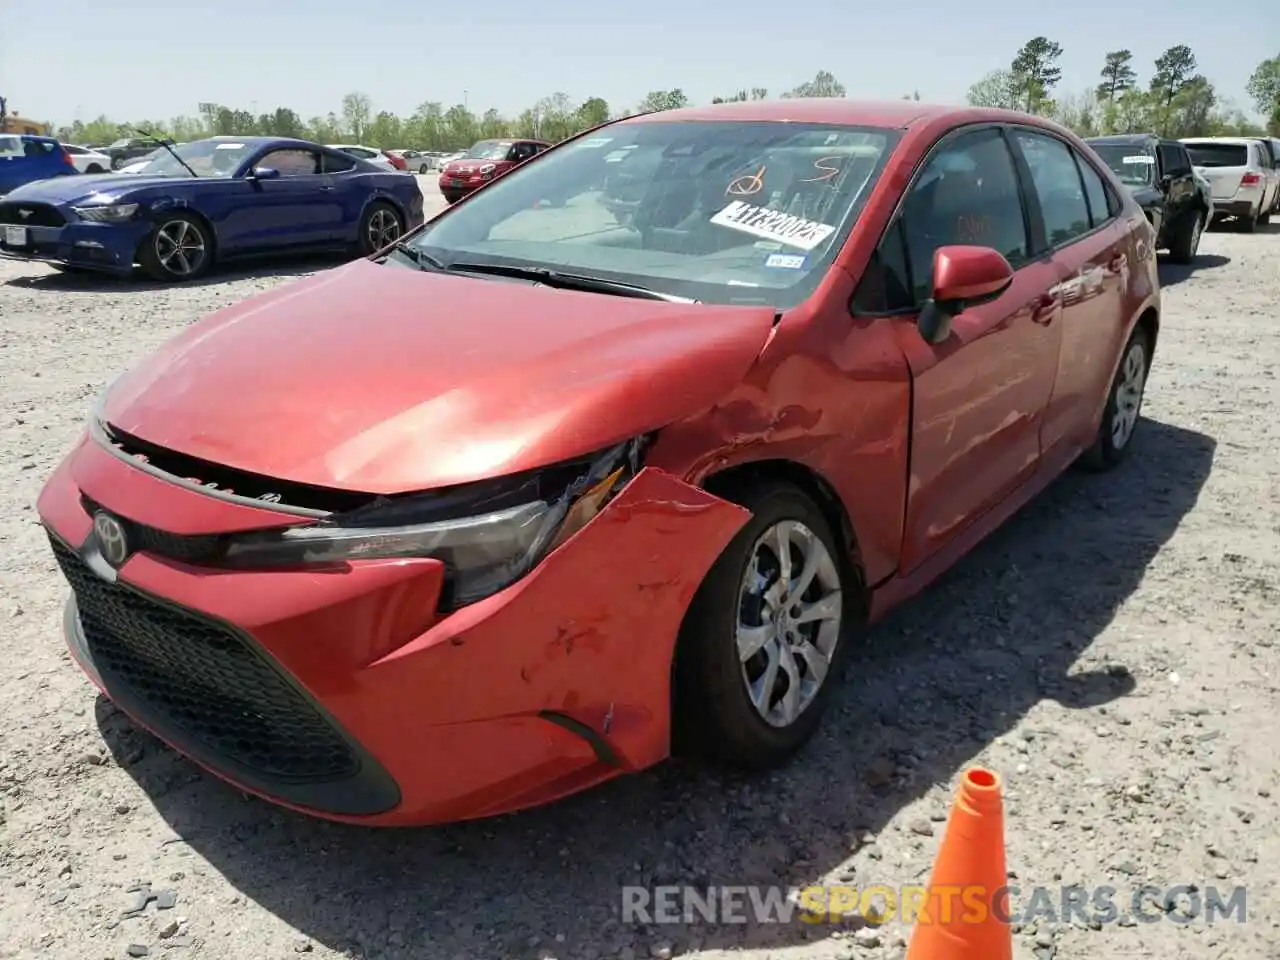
x=95, y=168
x=763, y=639
x=179, y=249
x=380, y=226
x=1124, y=406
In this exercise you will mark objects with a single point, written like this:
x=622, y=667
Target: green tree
x=996, y=89
x=1174, y=69
x=1118, y=75
x=593, y=112
x=1036, y=72
x=824, y=84
x=356, y=108
x=656, y=101
x=1264, y=89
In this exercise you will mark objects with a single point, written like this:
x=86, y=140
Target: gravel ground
x=1111, y=652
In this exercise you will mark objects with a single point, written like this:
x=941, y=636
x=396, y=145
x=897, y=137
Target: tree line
x=1174, y=99
x=432, y=126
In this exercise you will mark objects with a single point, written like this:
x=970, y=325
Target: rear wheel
x=94, y=168
x=1248, y=223
x=1264, y=218
x=763, y=640
x=1186, y=237
x=180, y=248
x=380, y=227
x=1124, y=406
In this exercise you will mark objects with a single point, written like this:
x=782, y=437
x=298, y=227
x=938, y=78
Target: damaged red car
x=555, y=487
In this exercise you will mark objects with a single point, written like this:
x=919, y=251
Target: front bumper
x=342, y=693
x=108, y=247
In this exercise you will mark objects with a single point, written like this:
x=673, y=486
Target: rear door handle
x=1043, y=308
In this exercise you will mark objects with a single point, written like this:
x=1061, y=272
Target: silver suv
x=1244, y=177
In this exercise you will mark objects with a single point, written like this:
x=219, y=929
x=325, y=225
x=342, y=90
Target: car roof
x=871, y=113
x=1236, y=141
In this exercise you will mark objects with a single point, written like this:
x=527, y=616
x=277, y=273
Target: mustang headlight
x=107, y=213
x=487, y=535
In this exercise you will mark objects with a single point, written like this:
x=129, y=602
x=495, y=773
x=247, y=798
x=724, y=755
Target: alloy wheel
x=1129, y=387
x=383, y=229
x=789, y=611
x=180, y=248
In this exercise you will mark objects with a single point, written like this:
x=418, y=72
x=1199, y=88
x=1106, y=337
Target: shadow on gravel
x=944, y=676
x=1175, y=273
x=87, y=282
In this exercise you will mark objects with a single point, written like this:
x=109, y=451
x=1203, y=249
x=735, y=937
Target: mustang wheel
x=178, y=249
x=763, y=637
x=1124, y=405
x=379, y=227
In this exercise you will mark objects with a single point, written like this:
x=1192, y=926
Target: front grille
x=185, y=548
x=41, y=215
x=188, y=675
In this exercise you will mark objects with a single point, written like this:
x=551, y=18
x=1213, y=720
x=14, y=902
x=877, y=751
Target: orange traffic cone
x=965, y=915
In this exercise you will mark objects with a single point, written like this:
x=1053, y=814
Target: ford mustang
x=534, y=498
x=210, y=200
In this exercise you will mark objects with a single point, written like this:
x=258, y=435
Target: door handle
x=1043, y=308
x=327, y=187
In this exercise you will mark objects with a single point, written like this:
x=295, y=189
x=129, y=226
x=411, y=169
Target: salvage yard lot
x=1111, y=652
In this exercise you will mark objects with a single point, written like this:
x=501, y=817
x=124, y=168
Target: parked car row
x=647, y=466
x=1187, y=186
x=218, y=199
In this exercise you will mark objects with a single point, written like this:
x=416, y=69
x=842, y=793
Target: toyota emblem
x=112, y=541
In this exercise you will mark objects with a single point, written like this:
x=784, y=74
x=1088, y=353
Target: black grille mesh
x=204, y=680
x=41, y=214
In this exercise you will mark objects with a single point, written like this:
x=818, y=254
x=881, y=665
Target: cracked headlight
x=107, y=213
x=488, y=535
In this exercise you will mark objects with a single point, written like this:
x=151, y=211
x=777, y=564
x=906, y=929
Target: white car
x=374, y=156
x=88, y=161
x=137, y=166
x=1245, y=180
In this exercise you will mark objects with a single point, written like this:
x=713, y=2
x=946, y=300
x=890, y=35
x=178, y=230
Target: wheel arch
x=1149, y=322
x=724, y=482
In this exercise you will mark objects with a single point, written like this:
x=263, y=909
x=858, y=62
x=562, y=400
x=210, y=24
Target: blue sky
x=145, y=59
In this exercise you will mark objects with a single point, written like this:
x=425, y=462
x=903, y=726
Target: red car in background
x=536, y=497
x=485, y=161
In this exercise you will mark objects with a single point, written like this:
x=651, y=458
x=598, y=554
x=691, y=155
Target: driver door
x=296, y=210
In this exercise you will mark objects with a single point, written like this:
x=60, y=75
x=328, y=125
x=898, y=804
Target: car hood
x=386, y=380
x=107, y=186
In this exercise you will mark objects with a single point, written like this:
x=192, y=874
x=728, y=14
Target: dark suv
x=1160, y=176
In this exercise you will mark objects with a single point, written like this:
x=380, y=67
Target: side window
x=1095, y=192
x=1174, y=160
x=1057, y=184
x=335, y=163
x=291, y=163
x=967, y=194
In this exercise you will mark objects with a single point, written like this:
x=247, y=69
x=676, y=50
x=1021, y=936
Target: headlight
x=488, y=535
x=110, y=213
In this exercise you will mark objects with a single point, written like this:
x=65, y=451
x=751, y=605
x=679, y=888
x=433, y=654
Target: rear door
x=1084, y=239
x=978, y=399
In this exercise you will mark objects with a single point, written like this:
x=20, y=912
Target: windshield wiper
x=418, y=256
x=154, y=139
x=568, y=281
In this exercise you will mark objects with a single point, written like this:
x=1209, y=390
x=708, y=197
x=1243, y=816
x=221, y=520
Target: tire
x=380, y=226
x=1186, y=237
x=1264, y=218
x=178, y=249
x=714, y=715
x=94, y=168
x=117, y=163
x=1248, y=224
x=424, y=169
x=1113, y=442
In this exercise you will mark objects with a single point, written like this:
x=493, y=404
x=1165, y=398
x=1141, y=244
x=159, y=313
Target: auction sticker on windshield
x=773, y=225
x=1138, y=160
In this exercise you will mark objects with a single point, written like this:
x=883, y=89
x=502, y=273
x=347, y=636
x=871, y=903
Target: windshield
x=1134, y=165
x=208, y=158
x=721, y=212
x=1218, y=154
x=489, y=150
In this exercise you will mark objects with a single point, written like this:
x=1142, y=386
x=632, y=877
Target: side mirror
x=264, y=173
x=963, y=277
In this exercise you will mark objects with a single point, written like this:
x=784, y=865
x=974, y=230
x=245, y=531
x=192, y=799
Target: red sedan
x=541, y=494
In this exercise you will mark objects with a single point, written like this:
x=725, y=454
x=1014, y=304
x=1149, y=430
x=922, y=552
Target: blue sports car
x=210, y=200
